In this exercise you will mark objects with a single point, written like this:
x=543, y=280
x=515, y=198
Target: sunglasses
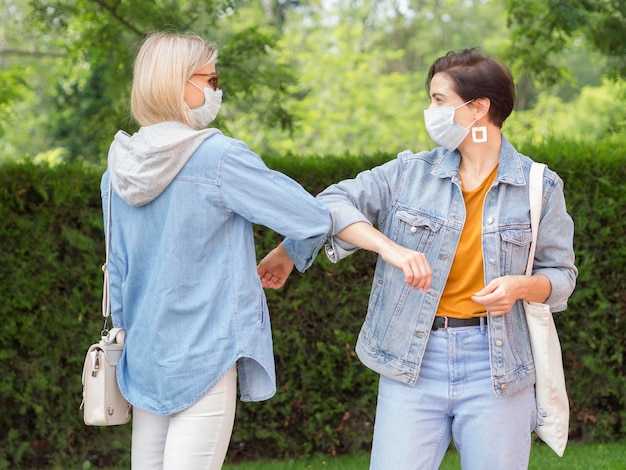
x=213, y=79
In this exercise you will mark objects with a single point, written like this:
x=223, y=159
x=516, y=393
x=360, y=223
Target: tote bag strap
x=106, y=299
x=535, y=195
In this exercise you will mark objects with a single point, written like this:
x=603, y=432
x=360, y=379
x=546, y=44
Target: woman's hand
x=500, y=294
x=413, y=264
x=275, y=268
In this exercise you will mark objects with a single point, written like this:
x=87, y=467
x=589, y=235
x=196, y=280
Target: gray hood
x=142, y=165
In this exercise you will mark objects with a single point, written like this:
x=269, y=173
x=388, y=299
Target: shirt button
x=413, y=229
x=331, y=251
x=492, y=261
x=490, y=220
x=498, y=343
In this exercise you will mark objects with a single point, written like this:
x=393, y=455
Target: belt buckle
x=445, y=325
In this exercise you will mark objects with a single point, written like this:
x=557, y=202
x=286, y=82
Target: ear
x=481, y=107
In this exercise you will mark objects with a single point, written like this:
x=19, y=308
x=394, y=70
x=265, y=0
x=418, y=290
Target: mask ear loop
x=202, y=90
x=464, y=104
x=186, y=105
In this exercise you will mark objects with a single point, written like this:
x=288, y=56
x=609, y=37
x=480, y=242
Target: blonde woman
x=182, y=259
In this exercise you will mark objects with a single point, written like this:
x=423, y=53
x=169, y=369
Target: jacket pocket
x=415, y=231
x=515, y=243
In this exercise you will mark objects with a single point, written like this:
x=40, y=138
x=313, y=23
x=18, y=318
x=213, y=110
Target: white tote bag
x=552, y=402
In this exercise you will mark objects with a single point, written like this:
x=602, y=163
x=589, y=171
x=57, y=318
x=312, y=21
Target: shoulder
x=412, y=163
x=429, y=158
x=551, y=178
x=517, y=166
x=218, y=140
x=219, y=146
x=226, y=147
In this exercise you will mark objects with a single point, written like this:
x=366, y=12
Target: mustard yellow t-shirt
x=467, y=274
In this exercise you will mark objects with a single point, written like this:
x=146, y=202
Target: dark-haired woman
x=445, y=326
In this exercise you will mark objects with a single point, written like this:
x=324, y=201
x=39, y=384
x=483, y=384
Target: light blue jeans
x=453, y=399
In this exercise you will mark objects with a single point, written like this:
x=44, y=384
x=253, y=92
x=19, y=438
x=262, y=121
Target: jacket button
x=503, y=387
x=413, y=229
x=499, y=343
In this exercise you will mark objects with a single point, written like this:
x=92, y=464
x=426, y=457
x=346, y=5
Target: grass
x=577, y=457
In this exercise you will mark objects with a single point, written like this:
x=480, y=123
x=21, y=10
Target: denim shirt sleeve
x=554, y=257
x=366, y=198
x=270, y=198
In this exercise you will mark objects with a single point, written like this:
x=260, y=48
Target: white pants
x=194, y=439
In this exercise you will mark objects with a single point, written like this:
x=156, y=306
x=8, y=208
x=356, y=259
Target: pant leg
x=196, y=438
x=199, y=436
x=412, y=430
x=149, y=434
x=488, y=431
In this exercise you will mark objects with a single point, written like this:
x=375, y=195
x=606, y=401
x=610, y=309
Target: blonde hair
x=164, y=64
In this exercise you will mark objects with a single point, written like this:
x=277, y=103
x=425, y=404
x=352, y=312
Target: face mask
x=442, y=128
x=203, y=115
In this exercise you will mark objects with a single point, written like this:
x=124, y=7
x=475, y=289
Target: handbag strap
x=535, y=195
x=106, y=299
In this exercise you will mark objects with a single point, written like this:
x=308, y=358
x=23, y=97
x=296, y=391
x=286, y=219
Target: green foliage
x=361, y=69
x=51, y=281
x=10, y=92
x=251, y=69
x=50, y=309
x=596, y=114
x=542, y=30
x=89, y=49
x=321, y=78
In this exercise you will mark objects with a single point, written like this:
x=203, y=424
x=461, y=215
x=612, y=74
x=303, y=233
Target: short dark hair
x=476, y=75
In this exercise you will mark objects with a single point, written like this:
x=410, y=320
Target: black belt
x=447, y=322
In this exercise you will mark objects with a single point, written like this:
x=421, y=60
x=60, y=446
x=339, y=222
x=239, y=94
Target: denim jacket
x=416, y=201
x=183, y=275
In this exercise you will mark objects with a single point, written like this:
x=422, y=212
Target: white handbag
x=552, y=401
x=103, y=404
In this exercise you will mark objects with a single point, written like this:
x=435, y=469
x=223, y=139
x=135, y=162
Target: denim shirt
x=183, y=276
x=416, y=201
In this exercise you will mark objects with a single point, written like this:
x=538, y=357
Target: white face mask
x=442, y=128
x=203, y=115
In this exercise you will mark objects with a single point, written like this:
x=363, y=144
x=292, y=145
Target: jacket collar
x=510, y=167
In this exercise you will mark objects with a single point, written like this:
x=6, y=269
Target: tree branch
x=114, y=14
x=23, y=52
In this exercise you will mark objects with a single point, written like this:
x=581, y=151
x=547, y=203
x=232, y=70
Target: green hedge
x=52, y=242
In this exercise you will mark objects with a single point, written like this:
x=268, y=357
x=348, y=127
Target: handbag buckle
x=96, y=364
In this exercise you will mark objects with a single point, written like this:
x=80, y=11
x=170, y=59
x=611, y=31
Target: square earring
x=479, y=134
